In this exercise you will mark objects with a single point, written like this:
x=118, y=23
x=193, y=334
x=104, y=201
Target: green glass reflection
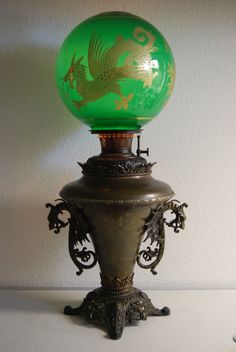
x=115, y=71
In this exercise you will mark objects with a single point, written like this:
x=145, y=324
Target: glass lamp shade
x=115, y=71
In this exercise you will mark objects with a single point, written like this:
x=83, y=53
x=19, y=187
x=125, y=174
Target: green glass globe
x=115, y=71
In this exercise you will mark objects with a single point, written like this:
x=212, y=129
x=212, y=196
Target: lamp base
x=116, y=311
x=113, y=205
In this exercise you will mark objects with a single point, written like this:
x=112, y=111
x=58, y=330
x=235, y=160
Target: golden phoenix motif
x=106, y=75
x=171, y=78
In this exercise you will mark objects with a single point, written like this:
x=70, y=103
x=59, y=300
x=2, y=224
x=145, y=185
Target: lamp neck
x=116, y=158
x=116, y=145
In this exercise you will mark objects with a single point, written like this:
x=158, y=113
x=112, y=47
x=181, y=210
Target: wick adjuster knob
x=140, y=151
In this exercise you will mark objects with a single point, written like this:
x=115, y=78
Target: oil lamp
x=115, y=72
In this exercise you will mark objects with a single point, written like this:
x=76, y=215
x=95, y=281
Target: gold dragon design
x=105, y=72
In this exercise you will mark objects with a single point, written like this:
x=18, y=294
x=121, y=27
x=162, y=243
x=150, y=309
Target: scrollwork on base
x=78, y=233
x=115, y=312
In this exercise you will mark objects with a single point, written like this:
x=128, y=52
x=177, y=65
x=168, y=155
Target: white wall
x=193, y=140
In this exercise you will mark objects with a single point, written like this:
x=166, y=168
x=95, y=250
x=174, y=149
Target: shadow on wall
x=29, y=254
x=33, y=118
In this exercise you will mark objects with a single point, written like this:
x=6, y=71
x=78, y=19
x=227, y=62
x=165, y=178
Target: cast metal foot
x=116, y=311
x=68, y=310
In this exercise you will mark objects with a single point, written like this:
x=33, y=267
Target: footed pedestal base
x=116, y=310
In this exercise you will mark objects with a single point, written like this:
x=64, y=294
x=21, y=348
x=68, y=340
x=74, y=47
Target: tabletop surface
x=32, y=321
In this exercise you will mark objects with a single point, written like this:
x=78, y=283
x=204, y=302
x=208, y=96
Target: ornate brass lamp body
x=116, y=204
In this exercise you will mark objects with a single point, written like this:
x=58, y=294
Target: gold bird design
x=105, y=72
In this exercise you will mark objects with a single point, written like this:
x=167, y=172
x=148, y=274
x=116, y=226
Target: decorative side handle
x=78, y=233
x=178, y=210
x=150, y=257
x=154, y=227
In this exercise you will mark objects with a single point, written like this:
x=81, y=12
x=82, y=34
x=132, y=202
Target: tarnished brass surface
x=117, y=190
x=117, y=208
x=117, y=231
